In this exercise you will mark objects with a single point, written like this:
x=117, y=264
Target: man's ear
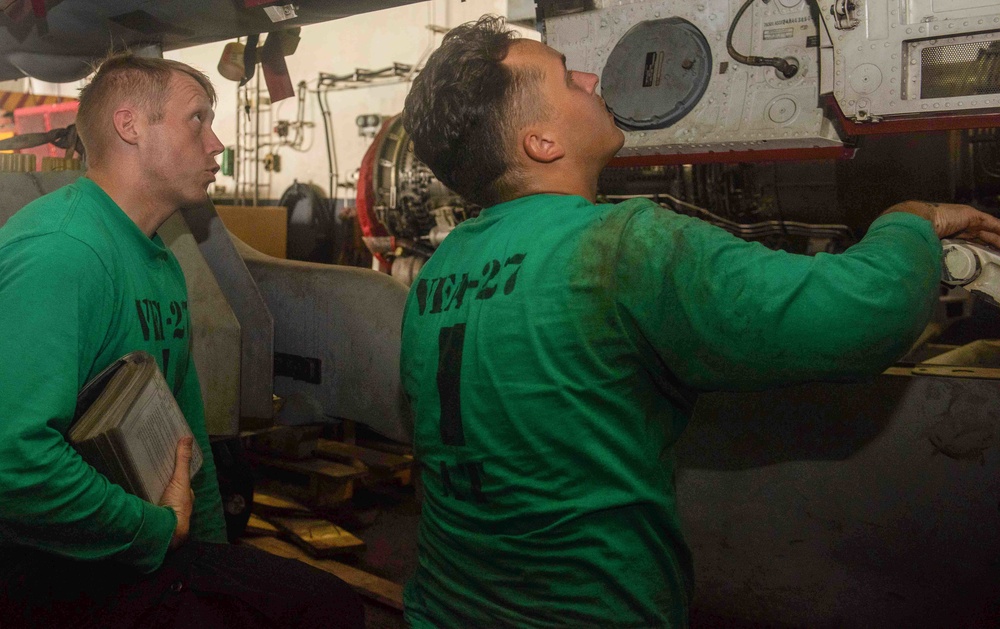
x=126, y=125
x=541, y=146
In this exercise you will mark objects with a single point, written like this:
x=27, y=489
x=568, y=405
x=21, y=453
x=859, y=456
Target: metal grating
x=966, y=69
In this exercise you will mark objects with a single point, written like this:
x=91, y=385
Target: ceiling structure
x=58, y=40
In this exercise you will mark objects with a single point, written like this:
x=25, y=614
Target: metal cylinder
x=17, y=162
x=60, y=163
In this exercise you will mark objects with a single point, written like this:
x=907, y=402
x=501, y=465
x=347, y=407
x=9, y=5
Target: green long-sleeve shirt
x=80, y=286
x=549, y=350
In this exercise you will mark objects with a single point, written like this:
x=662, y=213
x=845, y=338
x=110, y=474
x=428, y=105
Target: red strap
x=272, y=63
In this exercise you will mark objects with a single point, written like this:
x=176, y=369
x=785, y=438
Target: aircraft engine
x=404, y=211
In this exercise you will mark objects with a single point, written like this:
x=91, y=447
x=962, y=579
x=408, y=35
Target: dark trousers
x=199, y=585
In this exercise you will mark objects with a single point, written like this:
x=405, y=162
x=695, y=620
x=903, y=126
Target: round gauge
x=657, y=73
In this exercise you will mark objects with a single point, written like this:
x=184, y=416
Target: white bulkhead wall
x=370, y=41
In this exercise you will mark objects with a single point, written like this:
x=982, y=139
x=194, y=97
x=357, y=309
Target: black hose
x=786, y=68
x=324, y=109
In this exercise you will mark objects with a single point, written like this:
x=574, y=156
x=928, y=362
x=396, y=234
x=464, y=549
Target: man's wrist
x=922, y=209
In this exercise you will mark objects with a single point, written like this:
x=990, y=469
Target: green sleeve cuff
x=151, y=541
x=906, y=219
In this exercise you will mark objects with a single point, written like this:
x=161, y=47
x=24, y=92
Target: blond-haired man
x=85, y=279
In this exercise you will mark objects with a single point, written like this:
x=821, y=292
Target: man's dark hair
x=465, y=107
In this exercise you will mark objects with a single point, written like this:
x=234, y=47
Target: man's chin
x=196, y=200
x=618, y=144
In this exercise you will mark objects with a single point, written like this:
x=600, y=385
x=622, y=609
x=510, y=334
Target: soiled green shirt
x=80, y=286
x=547, y=349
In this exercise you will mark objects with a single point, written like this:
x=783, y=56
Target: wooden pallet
x=279, y=515
x=315, y=460
x=318, y=537
x=302, y=477
x=318, y=482
x=272, y=503
x=257, y=525
x=381, y=465
x=286, y=442
x=367, y=585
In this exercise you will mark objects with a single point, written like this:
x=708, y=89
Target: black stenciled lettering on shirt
x=458, y=295
x=166, y=362
x=446, y=285
x=142, y=320
x=451, y=341
x=424, y=289
x=157, y=318
x=514, y=260
x=150, y=318
x=177, y=319
x=463, y=481
x=449, y=489
x=475, y=472
x=441, y=294
x=490, y=271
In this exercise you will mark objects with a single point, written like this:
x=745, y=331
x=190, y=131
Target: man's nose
x=215, y=146
x=588, y=80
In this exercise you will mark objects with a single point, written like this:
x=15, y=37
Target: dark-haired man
x=551, y=346
x=82, y=270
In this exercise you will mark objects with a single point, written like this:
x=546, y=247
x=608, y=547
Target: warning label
x=779, y=33
x=791, y=20
x=652, y=68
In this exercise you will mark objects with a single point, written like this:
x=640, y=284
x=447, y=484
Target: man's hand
x=952, y=220
x=178, y=494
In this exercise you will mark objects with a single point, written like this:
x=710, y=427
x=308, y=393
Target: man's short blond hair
x=143, y=82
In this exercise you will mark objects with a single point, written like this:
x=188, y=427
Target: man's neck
x=568, y=181
x=133, y=198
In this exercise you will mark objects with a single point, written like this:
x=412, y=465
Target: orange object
x=265, y=228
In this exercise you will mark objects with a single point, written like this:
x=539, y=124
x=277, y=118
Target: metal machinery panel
x=215, y=331
x=256, y=325
x=905, y=58
x=338, y=329
x=846, y=505
x=742, y=108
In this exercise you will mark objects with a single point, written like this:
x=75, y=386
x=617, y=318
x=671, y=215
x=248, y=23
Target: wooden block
x=379, y=462
x=320, y=495
x=350, y=430
x=287, y=442
x=319, y=538
x=273, y=503
x=386, y=446
x=309, y=467
x=317, y=482
x=405, y=477
x=367, y=585
x=259, y=526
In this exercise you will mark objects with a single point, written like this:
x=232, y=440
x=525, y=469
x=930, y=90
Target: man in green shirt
x=84, y=280
x=552, y=347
